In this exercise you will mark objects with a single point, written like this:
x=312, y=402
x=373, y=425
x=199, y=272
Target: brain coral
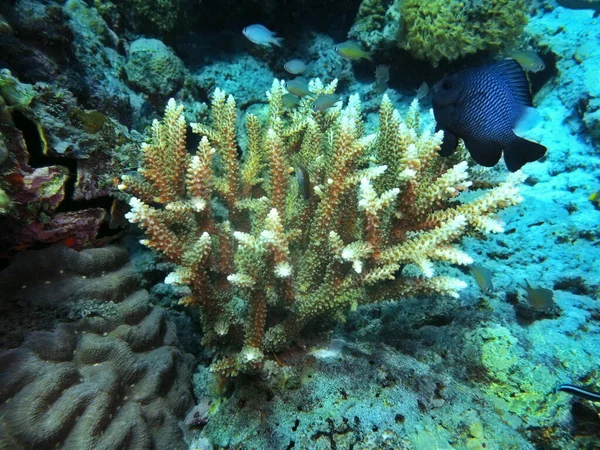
x=114, y=379
x=438, y=29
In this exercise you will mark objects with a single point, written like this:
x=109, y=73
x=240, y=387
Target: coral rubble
x=286, y=255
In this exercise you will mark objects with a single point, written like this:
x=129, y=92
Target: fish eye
x=446, y=84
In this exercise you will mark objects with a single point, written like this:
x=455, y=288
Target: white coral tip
x=198, y=204
x=283, y=270
x=173, y=278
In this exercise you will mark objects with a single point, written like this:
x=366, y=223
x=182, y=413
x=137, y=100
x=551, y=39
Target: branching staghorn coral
x=321, y=217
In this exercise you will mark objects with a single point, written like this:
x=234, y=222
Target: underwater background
x=307, y=224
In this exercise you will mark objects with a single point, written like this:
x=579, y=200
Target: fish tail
x=449, y=143
x=521, y=151
x=369, y=56
x=579, y=392
x=278, y=41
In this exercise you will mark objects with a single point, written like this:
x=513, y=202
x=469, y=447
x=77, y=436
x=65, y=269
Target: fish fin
x=484, y=153
x=449, y=143
x=529, y=119
x=516, y=79
x=521, y=151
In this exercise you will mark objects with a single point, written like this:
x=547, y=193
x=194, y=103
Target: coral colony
x=290, y=259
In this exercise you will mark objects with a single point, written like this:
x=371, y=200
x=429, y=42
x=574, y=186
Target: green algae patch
x=494, y=348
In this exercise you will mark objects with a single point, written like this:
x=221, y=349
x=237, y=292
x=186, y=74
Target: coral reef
x=370, y=17
x=34, y=195
x=378, y=25
x=368, y=396
x=294, y=250
x=154, y=16
x=46, y=136
x=68, y=44
x=231, y=75
x=440, y=29
x=115, y=378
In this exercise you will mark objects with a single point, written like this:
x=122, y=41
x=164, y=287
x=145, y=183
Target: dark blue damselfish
x=482, y=106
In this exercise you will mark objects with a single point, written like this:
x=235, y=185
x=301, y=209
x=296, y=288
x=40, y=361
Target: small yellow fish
x=290, y=101
x=530, y=61
x=595, y=199
x=540, y=298
x=325, y=101
x=295, y=66
x=298, y=87
x=483, y=277
x=351, y=51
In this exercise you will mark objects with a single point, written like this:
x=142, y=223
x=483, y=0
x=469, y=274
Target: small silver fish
x=382, y=75
x=295, y=66
x=541, y=299
x=422, y=91
x=333, y=350
x=380, y=87
x=483, y=277
x=382, y=72
x=290, y=101
x=325, y=101
x=261, y=35
x=298, y=87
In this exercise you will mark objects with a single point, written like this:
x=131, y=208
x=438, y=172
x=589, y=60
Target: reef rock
x=572, y=37
x=154, y=68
